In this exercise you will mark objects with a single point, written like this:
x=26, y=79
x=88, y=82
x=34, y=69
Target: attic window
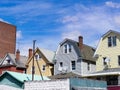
x=8, y=61
x=67, y=48
x=111, y=41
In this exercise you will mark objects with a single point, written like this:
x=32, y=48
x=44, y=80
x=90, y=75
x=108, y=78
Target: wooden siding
x=111, y=52
x=42, y=61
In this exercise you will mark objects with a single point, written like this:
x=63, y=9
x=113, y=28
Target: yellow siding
x=111, y=52
x=41, y=61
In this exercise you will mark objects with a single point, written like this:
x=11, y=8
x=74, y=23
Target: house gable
x=7, y=79
x=42, y=63
x=108, y=48
x=7, y=61
x=67, y=56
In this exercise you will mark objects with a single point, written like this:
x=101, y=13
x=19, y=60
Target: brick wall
x=7, y=39
x=10, y=68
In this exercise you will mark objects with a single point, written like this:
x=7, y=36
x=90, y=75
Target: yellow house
x=43, y=62
x=108, y=51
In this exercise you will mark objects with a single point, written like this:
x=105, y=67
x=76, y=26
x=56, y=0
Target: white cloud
x=19, y=34
x=112, y=4
x=89, y=23
x=117, y=19
x=71, y=34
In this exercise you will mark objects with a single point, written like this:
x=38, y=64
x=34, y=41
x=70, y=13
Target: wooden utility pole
x=33, y=67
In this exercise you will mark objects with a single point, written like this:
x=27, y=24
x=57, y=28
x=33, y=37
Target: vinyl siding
x=111, y=52
x=66, y=59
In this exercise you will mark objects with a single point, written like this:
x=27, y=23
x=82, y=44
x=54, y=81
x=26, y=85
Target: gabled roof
x=103, y=37
x=48, y=54
x=110, y=31
x=17, y=79
x=87, y=52
x=67, y=40
x=24, y=77
x=18, y=63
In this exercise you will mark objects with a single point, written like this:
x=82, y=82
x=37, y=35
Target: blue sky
x=51, y=21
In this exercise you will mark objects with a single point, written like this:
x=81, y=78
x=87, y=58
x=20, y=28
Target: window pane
x=43, y=68
x=88, y=66
x=61, y=64
x=65, y=48
x=109, y=42
x=70, y=48
x=73, y=65
x=119, y=60
x=114, y=41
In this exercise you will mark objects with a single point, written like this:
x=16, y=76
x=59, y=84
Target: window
x=88, y=66
x=43, y=68
x=119, y=60
x=61, y=64
x=70, y=48
x=67, y=48
x=104, y=62
x=111, y=41
x=73, y=64
x=8, y=61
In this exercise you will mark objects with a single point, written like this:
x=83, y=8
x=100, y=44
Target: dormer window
x=111, y=41
x=67, y=48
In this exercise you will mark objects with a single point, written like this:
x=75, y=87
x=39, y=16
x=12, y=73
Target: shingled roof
x=18, y=63
x=86, y=52
x=65, y=75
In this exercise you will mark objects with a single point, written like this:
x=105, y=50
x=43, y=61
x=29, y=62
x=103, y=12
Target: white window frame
x=68, y=48
x=112, y=41
x=71, y=65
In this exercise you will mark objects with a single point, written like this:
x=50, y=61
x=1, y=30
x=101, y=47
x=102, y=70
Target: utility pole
x=33, y=67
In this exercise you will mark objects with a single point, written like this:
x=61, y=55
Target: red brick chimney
x=17, y=54
x=30, y=53
x=80, y=42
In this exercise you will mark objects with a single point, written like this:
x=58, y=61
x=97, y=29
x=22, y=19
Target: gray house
x=75, y=57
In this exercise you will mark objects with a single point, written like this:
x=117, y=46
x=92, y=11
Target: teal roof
x=25, y=77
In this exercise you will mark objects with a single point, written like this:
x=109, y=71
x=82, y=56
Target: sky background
x=49, y=22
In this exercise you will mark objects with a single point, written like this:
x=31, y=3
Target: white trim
x=97, y=47
x=100, y=74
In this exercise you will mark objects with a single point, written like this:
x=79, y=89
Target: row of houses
x=71, y=59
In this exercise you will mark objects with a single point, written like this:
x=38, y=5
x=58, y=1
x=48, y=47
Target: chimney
x=17, y=54
x=80, y=42
x=30, y=53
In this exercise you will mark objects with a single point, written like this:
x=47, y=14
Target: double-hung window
x=111, y=41
x=73, y=65
x=67, y=48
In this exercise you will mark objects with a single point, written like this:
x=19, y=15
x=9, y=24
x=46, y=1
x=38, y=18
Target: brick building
x=7, y=38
